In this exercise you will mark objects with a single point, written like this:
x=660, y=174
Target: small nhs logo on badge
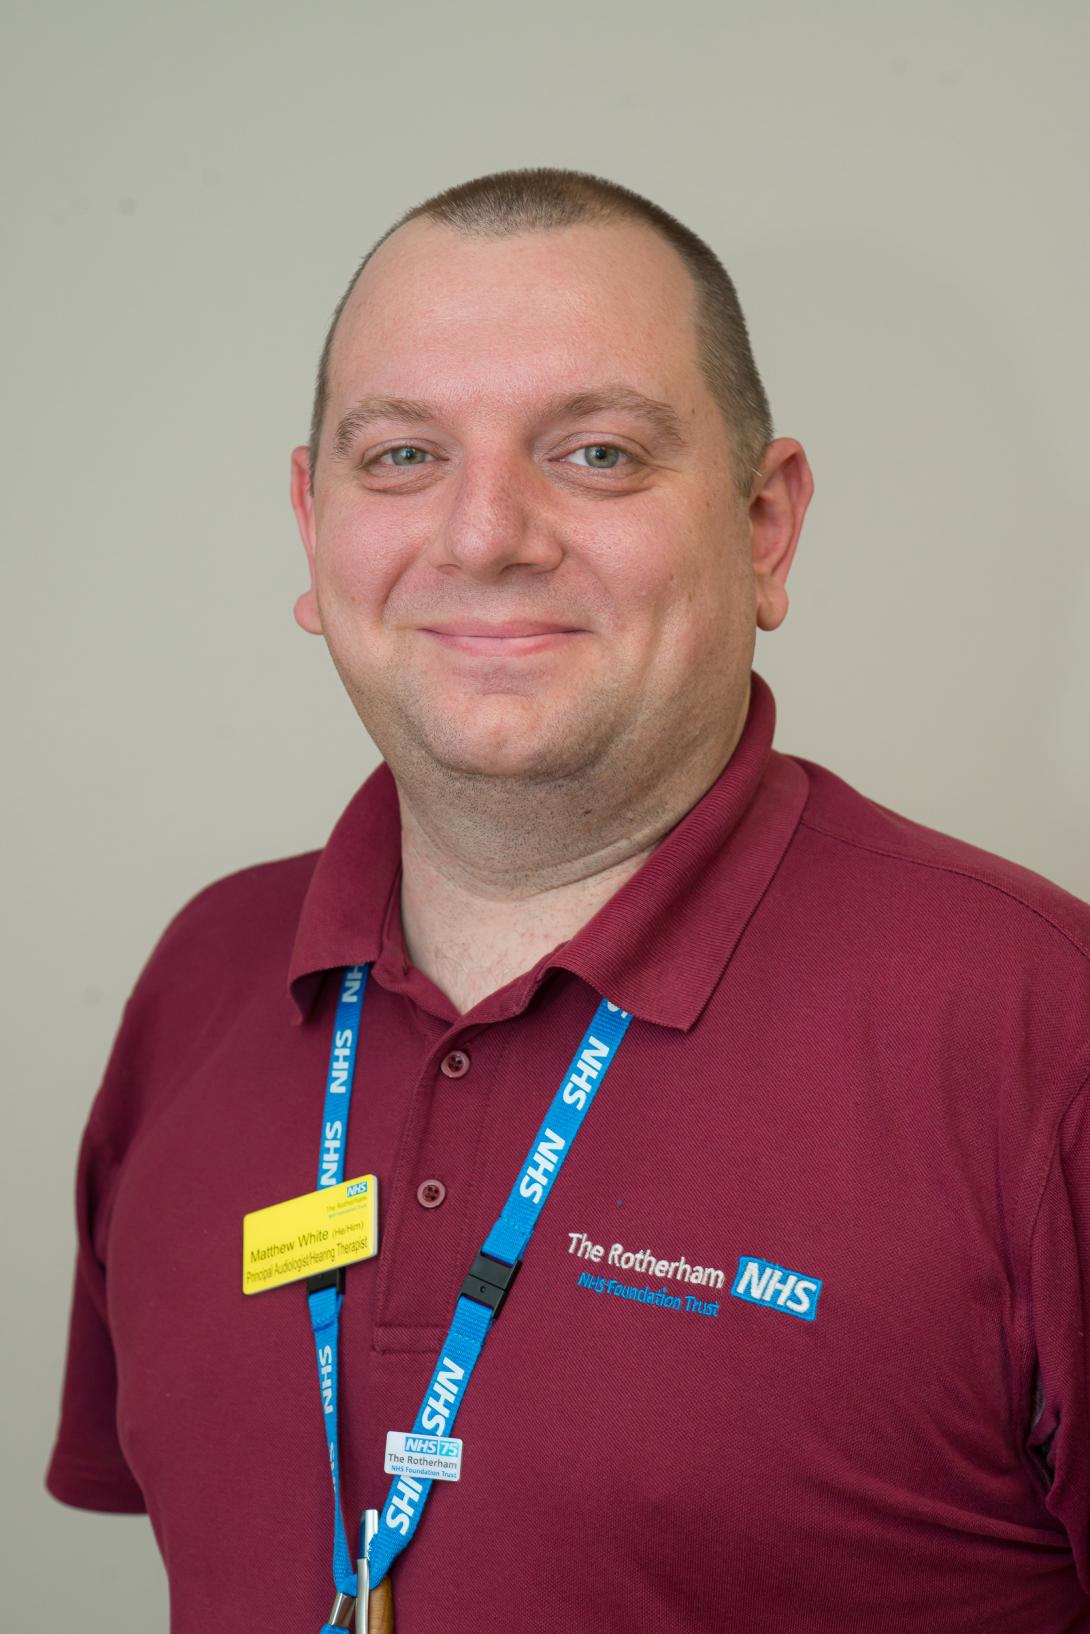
x=358, y=1188
x=761, y=1283
x=432, y=1446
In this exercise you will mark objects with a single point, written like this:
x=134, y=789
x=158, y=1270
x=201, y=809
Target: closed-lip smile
x=513, y=638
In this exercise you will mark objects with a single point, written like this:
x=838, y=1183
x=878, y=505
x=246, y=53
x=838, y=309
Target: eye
x=403, y=448
x=593, y=452
x=599, y=457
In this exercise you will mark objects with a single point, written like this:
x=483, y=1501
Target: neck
x=496, y=873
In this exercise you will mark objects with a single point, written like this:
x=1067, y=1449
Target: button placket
x=438, y=1152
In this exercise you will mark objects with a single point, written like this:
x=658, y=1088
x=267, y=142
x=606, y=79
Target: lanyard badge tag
x=320, y=1231
x=427, y=1457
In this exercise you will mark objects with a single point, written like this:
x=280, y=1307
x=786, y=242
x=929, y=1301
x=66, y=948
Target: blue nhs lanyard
x=325, y=1292
x=483, y=1291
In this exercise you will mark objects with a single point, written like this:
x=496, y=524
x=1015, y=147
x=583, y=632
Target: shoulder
x=938, y=874
x=225, y=952
x=226, y=948
x=246, y=909
x=969, y=964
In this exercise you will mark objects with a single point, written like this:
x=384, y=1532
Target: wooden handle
x=380, y=1609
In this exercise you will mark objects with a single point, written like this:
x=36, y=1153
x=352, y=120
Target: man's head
x=548, y=556
x=513, y=202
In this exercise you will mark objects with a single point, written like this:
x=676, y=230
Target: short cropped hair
x=537, y=200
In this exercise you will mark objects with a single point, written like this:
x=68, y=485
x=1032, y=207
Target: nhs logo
x=431, y=1446
x=761, y=1283
x=358, y=1188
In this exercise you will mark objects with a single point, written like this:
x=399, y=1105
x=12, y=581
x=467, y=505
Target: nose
x=499, y=518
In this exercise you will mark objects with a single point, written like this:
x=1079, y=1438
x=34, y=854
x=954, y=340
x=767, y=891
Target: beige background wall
x=899, y=192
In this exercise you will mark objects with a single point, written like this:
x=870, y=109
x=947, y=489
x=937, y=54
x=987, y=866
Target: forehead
x=436, y=310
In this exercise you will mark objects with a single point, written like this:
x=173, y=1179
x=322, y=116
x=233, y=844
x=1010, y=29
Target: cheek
x=653, y=572
x=356, y=569
x=699, y=589
x=712, y=615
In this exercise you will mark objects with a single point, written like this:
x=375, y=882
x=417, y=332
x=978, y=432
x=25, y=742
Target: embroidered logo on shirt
x=649, y=1263
x=761, y=1283
x=645, y=1260
x=659, y=1298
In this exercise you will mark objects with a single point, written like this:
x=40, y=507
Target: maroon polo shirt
x=852, y=1098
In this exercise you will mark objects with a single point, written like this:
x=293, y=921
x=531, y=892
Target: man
x=773, y=1099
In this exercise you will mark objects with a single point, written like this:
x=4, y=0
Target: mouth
x=517, y=639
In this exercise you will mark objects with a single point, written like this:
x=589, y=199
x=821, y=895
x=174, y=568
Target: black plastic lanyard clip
x=326, y=1279
x=489, y=1281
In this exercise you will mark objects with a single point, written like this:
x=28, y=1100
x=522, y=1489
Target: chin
x=526, y=748
x=497, y=735
x=519, y=760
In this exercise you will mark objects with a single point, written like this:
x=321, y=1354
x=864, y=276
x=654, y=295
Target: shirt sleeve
x=1059, y=1439
x=88, y=1467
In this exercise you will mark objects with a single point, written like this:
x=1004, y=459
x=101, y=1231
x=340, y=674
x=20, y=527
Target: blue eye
x=595, y=449
x=599, y=457
x=406, y=448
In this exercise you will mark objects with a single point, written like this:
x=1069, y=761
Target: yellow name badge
x=320, y=1231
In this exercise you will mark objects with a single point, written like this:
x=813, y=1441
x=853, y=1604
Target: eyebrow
x=611, y=399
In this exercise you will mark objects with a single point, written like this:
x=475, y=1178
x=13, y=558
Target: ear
x=781, y=493
x=307, y=615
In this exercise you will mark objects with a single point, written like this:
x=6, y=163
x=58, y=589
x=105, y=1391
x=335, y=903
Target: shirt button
x=430, y=1193
x=454, y=1065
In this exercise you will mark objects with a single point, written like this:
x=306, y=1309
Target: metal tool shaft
x=368, y=1531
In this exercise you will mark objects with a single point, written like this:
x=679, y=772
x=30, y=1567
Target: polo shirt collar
x=657, y=947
